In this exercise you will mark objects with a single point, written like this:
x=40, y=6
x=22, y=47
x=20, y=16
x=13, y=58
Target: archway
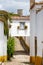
x=3, y=35
x=4, y=17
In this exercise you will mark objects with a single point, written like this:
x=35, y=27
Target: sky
x=13, y=5
x=38, y=0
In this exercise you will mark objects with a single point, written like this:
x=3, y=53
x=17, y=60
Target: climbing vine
x=6, y=27
x=4, y=16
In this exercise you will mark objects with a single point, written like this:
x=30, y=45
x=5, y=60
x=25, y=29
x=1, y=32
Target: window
x=22, y=24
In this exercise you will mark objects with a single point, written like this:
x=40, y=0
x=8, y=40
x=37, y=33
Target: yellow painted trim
x=3, y=58
x=32, y=59
x=38, y=60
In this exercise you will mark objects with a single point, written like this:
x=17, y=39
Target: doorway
x=35, y=46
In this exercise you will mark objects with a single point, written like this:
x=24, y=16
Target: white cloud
x=15, y=4
x=22, y=0
x=1, y=7
x=12, y=5
x=37, y=0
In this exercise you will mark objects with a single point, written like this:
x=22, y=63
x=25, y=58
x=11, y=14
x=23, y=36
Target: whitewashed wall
x=32, y=31
x=13, y=31
x=36, y=29
x=3, y=41
x=1, y=30
x=39, y=33
x=5, y=46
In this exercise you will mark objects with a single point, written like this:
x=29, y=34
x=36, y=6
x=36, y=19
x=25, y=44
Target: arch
x=4, y=16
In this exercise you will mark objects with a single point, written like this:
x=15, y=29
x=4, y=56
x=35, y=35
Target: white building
x=36, y=32
x=20, y=26
x=3, y=37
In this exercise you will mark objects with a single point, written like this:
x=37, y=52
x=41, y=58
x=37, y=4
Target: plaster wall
x=32, y=31
x=3, y=40
x=39, y=33
x=13, y=31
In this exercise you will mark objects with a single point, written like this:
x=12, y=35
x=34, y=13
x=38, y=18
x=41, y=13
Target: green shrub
x=10, y=47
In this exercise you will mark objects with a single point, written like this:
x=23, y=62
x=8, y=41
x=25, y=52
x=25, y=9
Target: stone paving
x=18, y=60
x=20, y=57
x=18, y=46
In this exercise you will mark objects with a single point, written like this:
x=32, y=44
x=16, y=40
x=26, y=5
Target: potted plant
x=25, y=27
x=18, y=27
x=9, y=26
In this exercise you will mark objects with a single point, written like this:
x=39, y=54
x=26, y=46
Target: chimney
x=20, y=12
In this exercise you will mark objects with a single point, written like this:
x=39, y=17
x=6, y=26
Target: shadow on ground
x=26, y=62
x=20, y=53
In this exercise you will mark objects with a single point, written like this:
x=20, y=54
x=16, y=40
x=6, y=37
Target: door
x=35, y=46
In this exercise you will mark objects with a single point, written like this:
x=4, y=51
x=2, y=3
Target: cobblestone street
x=18, y=60
x=20, y=57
